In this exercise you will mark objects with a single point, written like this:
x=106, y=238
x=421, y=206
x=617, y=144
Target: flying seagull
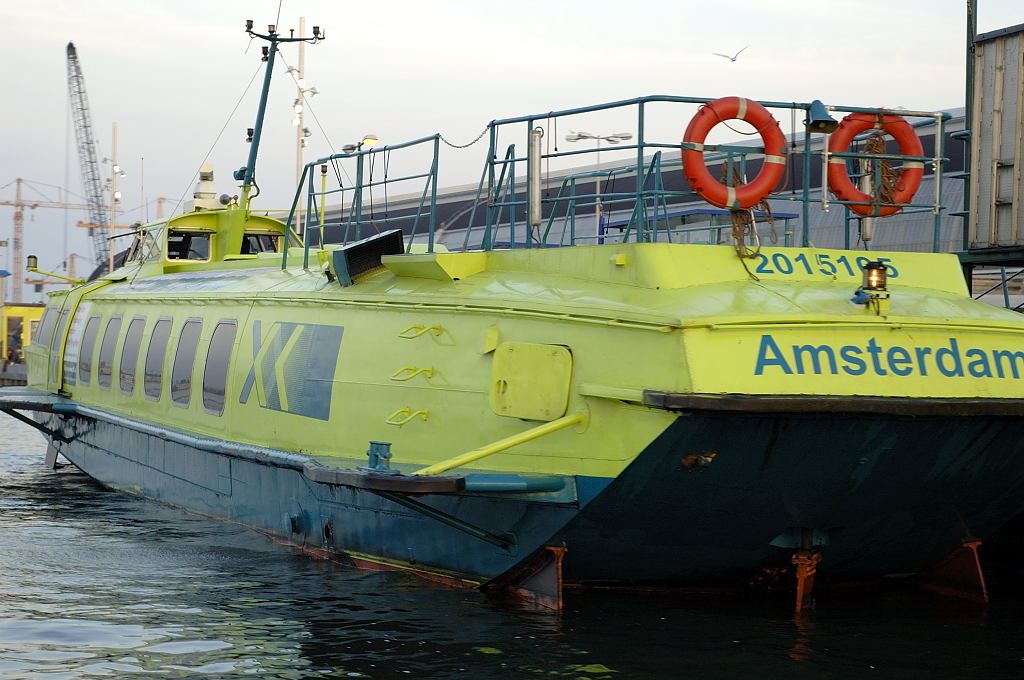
x=733, y=57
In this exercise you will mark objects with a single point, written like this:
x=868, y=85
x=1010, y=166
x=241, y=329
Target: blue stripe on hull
x=283, y=502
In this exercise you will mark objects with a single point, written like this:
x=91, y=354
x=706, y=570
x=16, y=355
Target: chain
x=466, y=146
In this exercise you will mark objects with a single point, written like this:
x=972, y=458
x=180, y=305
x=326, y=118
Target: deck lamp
x=367, y=141
x=818, y=119
x=875, y=277
x=33, y=262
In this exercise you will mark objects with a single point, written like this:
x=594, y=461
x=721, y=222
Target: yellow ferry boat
x=633, y=411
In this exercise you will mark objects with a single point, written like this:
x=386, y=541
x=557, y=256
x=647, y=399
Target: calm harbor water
x=98, y=584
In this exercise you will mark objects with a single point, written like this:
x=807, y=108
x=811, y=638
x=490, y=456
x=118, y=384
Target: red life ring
x=707, y=187
x=839, y=181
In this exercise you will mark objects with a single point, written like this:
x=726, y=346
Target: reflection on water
x=95, y=583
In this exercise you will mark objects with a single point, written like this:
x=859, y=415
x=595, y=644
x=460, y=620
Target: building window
x=218, y=360
x=105, y=366
x=88, y=345
x=153, y=377
x=130, y=354
x=184, y=361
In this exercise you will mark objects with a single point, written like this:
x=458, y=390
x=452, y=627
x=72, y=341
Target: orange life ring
x=839, y=181
x=707, y=187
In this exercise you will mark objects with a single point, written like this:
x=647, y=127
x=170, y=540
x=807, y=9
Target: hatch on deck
x=530, y=381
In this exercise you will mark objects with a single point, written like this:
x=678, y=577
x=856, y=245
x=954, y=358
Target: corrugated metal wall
x=996, y=180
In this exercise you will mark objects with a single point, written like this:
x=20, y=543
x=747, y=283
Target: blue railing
x=498, y=214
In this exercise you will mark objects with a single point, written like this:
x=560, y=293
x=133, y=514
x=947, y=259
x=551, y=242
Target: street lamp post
x=115, y=196
x=613, y=138
x=302, y=132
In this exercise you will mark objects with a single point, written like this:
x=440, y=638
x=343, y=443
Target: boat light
x=818, y=119
x=875, y=275
x=33, y=262
x=248, y=134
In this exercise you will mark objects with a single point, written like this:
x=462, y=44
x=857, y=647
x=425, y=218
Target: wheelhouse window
x=153, y=375
x=88, y=345
x=184, y=361
x=188, y=245
x=130, y=354
x=218, y=360
x=259, y=242
x=105, y=366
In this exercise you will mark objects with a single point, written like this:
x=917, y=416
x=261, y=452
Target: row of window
x=215, y=373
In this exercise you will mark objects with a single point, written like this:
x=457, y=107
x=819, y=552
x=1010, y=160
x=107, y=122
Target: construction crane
x=20, y=203
x=97, y=208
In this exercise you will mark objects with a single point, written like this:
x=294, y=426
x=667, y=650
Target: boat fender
x=774, y=167
x=909, y=181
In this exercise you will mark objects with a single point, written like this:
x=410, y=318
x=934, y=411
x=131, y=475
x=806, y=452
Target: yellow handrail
x=418, y=330
x=502, y=444
x=410, y=372
x=404, y=415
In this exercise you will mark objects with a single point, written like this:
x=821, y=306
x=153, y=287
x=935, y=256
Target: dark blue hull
x=714, y=500
x=719, y=496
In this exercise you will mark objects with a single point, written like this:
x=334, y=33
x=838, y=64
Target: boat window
x=55, y=345
x=105, y=366
x=184, y=360
x=45, y=326
x=218, y=358
x=153, y=376
x=130, y=354
x=259, y=243
x=188, y=245
x=88, y=345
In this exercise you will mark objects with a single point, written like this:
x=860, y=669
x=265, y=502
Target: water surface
x=95, y=583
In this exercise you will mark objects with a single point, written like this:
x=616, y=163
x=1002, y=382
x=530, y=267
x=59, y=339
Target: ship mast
x=247, y=173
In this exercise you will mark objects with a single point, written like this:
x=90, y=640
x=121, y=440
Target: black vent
x=362, y=256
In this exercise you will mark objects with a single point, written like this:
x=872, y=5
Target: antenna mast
x=247, y=173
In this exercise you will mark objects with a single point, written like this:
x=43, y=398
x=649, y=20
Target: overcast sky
x=170, y=73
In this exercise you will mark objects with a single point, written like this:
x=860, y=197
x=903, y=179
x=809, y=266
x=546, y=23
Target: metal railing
x=643, y=188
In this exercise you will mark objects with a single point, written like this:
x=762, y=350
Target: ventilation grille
x=363, y=256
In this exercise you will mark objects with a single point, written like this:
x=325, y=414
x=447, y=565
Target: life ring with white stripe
x=707, y=187
x=839, y=181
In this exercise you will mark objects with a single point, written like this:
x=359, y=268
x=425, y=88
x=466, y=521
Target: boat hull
x=719, y=496
x=354, y=524
x=715, y=499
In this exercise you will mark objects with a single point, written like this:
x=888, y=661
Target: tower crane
x=93, y=187
x=20, y=203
